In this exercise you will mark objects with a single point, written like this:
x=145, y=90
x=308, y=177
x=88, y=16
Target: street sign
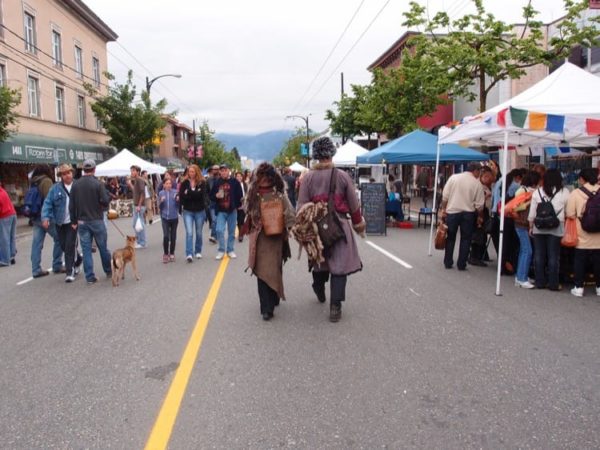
x=304, y=149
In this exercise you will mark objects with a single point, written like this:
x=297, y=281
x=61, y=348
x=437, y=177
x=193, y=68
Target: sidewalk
x=23, y=228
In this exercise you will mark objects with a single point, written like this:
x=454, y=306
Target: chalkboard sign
x=372, y=198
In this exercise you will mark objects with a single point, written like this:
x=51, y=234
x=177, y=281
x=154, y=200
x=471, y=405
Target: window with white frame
x=81, y=111
x=57, y=58
x=30, y=34
x=96, y=71
x=33, y=95
x=60, y=104
x=98, y=124
x=2, y=73
x=1, y=21
x=78, y=62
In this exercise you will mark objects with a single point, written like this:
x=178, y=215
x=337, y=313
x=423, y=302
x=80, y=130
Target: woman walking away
x=529, y=183
x=587, y=215
x=270, y=215
x=546, y=225
x=241, y=215
x=342, y=258
x=193, y=195
x=168, y=204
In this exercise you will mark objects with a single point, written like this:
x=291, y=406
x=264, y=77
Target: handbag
x=271, y=216
x=440, y=236
x=570, y=238
x=329, y=226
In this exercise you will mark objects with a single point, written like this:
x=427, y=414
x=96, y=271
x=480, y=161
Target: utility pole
x=305, y=118
x=342, y=98
x=194, y=141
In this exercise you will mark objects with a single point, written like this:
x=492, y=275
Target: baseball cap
x=215, y=167
x=224, y=166
x=89, y=164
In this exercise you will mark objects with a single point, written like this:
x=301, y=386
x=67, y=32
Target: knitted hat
x=323, y=148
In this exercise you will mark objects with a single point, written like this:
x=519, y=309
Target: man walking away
x=138, y=186
x=87, y=200
x=212, y=178
x=227, y=195
x=462, y=206
x=290, y=181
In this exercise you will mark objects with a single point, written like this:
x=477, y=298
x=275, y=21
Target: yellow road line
x=163, y=427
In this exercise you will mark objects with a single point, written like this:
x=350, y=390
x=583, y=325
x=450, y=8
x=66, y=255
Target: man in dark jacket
x=41, y=177
x=88, y=198
x=212, y=178
x=227, y=195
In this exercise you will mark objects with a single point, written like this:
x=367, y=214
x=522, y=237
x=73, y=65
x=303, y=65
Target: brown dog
x=120, y=258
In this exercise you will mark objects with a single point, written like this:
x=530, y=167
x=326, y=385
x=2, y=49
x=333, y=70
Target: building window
x=2, y=74
x=98, y=124
x=78, y=62
x=57, y=49
x=30, y=36
x=96, y=71
x=33, y=95
x=60, y=104
x=1, y=21
x=81, y=111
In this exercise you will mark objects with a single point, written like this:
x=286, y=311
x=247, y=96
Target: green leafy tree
x=130, y=124
x=291, y=153
x=9, y=100
x=478, y=50
x=214, y=151
x=343, y=122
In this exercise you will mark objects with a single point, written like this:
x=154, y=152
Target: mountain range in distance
x=259, y=147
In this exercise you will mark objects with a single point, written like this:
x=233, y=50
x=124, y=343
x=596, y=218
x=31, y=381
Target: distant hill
x=259, y=147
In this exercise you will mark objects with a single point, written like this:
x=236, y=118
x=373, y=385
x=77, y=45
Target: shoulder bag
x=271, y=215
x=330, y=228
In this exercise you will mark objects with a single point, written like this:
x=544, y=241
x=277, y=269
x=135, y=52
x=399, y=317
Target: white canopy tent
x=562, y=110
x=119, y=165
x=346, y=155
x=297, y=167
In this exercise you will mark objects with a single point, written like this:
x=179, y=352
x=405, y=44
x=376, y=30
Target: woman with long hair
x=268, y=251
x=241, y=214
x=193, y=195
x=546, y=239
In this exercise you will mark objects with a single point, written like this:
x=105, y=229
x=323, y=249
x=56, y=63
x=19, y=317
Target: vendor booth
x=120, y=164
x=346, y=155
x=562, y=110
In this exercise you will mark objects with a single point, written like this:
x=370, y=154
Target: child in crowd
x=168, y=203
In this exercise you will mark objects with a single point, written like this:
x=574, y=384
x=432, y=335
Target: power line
x=348, y=52
x=328, y=56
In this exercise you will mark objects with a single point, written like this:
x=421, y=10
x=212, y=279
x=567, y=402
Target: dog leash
x=118, y=229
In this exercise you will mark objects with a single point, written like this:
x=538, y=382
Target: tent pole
x=502, y=203
x=435, y=186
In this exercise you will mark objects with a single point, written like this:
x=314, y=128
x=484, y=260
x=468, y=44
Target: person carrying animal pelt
x=269, y=215
x=342, y=258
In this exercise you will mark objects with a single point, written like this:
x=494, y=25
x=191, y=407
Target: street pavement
x=423, y=357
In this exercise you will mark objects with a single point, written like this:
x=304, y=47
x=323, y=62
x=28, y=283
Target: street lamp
x=149, y=82
x=305, y=118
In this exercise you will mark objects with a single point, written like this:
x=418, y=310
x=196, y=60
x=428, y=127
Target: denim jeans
x=193, y=220
x=8, y=232
x=140, y=236
x=88, y=231
x=169, y=227
x=228, y=219
x=546, y=254
x=466, y=222
x=582, y=257
x=67, y=237
x=37, y=244
x=525, y=253
x=213, y=223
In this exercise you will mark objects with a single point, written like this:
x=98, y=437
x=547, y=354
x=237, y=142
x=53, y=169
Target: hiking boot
x=335, y=312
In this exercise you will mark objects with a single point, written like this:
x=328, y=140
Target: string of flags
x=537, y=121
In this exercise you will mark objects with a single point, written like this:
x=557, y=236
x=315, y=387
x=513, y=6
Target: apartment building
x=177, y=139
x=49, y=49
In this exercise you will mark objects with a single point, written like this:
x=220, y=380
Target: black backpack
x=33, y=202
x=545, y=216
x=590, y=220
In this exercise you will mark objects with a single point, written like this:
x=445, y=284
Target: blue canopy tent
x=419, y=147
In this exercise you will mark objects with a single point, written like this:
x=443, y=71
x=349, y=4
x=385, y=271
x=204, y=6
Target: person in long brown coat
x=342, y=259
x=267, y=254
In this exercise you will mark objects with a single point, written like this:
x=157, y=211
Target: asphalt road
x=423, y=358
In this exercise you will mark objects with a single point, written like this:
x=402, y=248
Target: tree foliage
x=290, y=153
x=130, y=124
x=214, y=151
x=9, y=100
x=478, y=50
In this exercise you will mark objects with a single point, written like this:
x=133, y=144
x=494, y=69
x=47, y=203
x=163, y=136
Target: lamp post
x=149, y=82
x=305, y=118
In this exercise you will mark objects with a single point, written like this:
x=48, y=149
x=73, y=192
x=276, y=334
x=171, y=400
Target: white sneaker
x=189, y=258
x=220, y=255
x=578, y=292
x=198, y=255
x=139, y=246
x=232, y=255
x=69, y=279
x=598, y=291
x=524, y=284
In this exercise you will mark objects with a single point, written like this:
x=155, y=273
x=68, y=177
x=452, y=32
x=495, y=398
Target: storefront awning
x=31, y=149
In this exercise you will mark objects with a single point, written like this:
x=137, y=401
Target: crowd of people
x=538, y=206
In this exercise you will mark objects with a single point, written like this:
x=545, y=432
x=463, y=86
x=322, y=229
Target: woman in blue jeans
x=193, y=195
x=530, y=183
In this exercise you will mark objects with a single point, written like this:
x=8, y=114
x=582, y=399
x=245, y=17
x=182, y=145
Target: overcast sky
x=246, y=65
